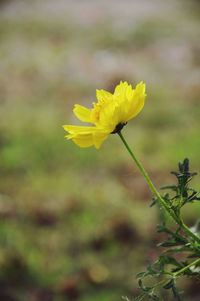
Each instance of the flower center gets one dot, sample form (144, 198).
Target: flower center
(119, 127)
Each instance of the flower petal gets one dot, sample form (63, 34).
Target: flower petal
(82, 113)
(123, 91)
(103, 96)
(84, 140)
(99, 137)
(75, 129)
(107, 117)
(85, 136)
(137, 102)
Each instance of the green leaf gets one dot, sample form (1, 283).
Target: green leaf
(176, 292)
(141, 275)
(155, 201)
(172, 187)
(170, 243)
(171, 260)
(154, 297)
(179, 249)
(151, 270)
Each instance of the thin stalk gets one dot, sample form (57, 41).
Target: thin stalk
(177, 273)
(156, 193)
(187, 267)
(173, 276)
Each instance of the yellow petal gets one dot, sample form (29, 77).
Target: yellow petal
(85, 140)
(123, 91)
(85, 136)
(75, 129)
(103, 96)
(82, 113)
(141, 88)
(107, 117)
(137, 103)
(98, 138)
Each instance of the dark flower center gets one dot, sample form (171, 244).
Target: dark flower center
(119, 127)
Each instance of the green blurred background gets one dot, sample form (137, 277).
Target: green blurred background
(75, 224)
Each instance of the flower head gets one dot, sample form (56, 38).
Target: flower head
(108, 115)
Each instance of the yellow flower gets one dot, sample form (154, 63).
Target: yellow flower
(108, 116)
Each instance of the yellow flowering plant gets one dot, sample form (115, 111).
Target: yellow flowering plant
(108, 116)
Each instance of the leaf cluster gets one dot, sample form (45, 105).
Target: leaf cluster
(179, 247)
(183, 193)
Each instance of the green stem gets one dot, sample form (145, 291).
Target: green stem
(156, 193)
(163, 282)
(177, 273)
(186, 229)
(187, 267)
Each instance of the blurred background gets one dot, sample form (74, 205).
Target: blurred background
(75, 224)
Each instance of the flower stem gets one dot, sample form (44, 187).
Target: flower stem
(152, 187)
(156, 193)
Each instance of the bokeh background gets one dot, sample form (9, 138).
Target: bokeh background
(75, 224)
